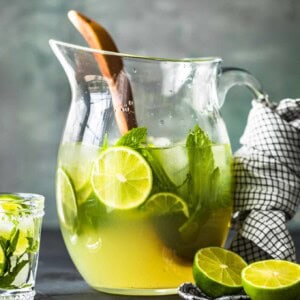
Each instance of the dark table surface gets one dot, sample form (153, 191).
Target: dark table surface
(58, 279)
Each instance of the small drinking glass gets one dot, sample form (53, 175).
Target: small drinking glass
(20, 229)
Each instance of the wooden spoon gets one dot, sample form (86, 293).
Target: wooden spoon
(111, 67)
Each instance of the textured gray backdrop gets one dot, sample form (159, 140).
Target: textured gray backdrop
(262, 36)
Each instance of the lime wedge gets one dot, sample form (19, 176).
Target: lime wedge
(217, 271)
(66, 200)
(2, 261)
(272, 280)
(121, 178)
(165, 203)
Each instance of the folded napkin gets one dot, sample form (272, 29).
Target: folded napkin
(267, 187)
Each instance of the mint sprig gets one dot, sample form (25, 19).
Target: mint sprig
(13, 264)
(133, 138)
(203, 185)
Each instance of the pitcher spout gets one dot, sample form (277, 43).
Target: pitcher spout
(79, 63)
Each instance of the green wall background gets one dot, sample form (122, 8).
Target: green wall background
(262, 36)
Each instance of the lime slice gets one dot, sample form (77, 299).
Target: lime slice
(22, 243)
(2, 261)
(77, 159)
(272, 280)
(165, 203)
(9, 204)
(84, 193)
(121, 178)
(217, 271)
(66, 200)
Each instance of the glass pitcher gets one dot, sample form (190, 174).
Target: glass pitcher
(144, 166)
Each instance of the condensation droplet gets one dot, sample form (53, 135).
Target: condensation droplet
(134, 70)
(161, 122)
(130, 102)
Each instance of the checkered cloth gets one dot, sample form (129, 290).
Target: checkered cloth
(267, 178)
(267, 186)
(189, 291)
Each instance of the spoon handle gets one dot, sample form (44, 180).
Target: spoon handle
(112, 68)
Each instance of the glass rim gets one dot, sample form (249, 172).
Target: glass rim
(209, 59)
(29, 202)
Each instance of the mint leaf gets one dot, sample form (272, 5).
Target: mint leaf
(197, 138)
(14, 263)
(13, 242)
(201, 165)
(33, 245)
(202, 186)
(7, 280)
(161, 181)
(133, 138)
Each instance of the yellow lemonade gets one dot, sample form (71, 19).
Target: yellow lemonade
(132, 219)
(129, 254)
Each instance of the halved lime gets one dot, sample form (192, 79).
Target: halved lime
(165, 203)
(272, 280)
(217, 271)
(2, 261)
(121, 178)
(66, 200)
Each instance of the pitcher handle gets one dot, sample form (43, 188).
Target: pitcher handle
(231, 76)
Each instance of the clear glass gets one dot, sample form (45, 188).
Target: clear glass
(20, 228)
(133, 211)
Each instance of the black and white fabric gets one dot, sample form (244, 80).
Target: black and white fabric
(267, 182)
(267, 187)
(189, 291)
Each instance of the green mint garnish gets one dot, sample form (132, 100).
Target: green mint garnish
(13, 264)
(133, 138)
(203, 182)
